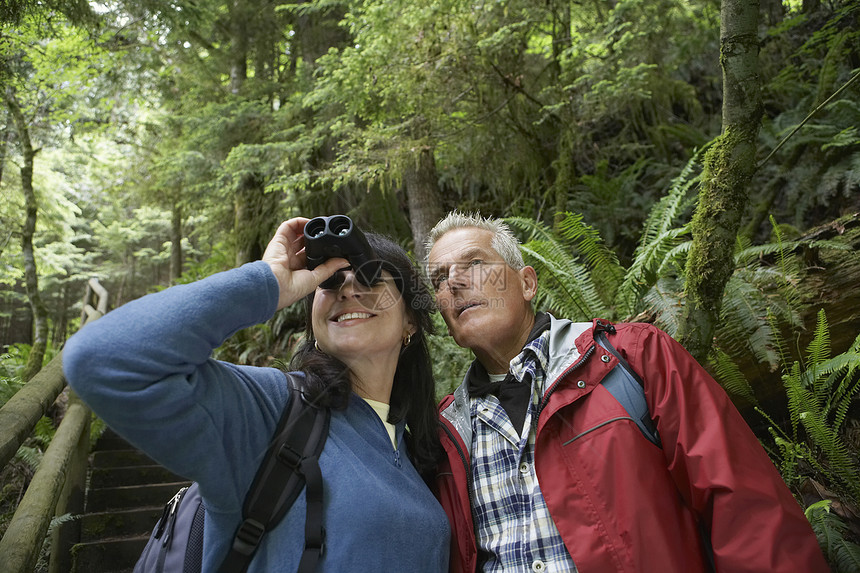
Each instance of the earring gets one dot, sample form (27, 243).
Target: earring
(407, 339)
(317, 345)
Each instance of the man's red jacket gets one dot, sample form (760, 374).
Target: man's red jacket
(622, 503)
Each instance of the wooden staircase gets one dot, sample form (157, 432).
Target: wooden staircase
(125, 497)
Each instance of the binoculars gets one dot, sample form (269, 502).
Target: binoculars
(337, 236)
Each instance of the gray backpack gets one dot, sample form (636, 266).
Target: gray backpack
(291, 464)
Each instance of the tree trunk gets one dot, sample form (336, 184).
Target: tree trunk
(176, 244)
(249, 211)
(31, 276)
(424, 200)
(316, 32)
(729, 166)
(61, 323)
(255, 219)
(4, 143)
(238, 46)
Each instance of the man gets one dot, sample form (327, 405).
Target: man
(546, 471)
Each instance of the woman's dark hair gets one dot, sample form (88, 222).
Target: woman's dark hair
(413, 395)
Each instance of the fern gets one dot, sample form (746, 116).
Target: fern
(648, 258)
(744, 327)
(673, 262)
(778, 342)
(798, 397)
(32, 457)
(44, 431)
(97, 428)
(831, 531)
(11, 365)
(731, 377)
(567, 287)
(819, 396)
(603, 262)
(596, 284)
(788, 266)
(844, 374)
(43, 562)
(747, 254)
(680, 197)
(660, 239)
(663, 301)
(842, 468)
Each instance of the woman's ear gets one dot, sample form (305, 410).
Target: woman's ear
(410, 327)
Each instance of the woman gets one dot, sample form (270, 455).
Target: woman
(145, 368)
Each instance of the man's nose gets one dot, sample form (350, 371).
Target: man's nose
(459, 276)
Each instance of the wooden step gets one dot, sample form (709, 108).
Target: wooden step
(123, 523)
(126, 496)
(120, 459)
(111, 499)
(131, 475)
(111, 442)
(107, 556)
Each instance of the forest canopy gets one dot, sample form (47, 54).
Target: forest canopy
(148, 143)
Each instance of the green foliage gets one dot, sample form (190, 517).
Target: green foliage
(762, 297)
(271, 343)
(97, 428)
(44, 432)
(44, 560)
(450, 362)
(820, 391)
(30, 456)
(581, 277)
(12, 364)
(804, 62)
(731, 378)
(571, 288)
(832, 532)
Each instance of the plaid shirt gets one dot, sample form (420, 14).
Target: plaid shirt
(513, 523)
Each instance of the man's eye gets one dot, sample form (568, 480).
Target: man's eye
(474, 262)
(438, 280)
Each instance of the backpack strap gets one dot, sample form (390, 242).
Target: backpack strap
(627, 387)
(629, 390)
(291, 462)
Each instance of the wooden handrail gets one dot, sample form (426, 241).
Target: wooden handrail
(23, 540)
(63, 467)
(90, 312)
(19, 415)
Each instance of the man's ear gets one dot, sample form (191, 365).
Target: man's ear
(528, 276)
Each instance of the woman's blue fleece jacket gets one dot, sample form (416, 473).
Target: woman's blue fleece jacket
(145, 368)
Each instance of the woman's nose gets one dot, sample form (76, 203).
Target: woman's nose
(348, 288)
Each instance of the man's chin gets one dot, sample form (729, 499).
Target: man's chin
(469, 339)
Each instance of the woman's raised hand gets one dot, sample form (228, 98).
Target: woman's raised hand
(286, 256)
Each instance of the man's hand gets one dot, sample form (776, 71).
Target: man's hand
(285, 254)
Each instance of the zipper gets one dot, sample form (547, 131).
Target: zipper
(381, 425)
(569, 369)
(465, 464)
(588, 431)
(171, 519)
(167, 516)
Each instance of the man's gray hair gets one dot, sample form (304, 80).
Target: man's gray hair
(504, 241)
